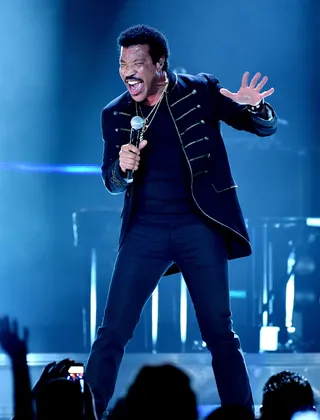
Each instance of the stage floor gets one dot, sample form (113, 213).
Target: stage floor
(197, 365)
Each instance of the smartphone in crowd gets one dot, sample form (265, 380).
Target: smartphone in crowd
(76, 373)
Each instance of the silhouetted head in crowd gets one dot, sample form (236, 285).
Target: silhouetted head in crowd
(161, 392)
(285, 394)
(60, 399)
(231, 412)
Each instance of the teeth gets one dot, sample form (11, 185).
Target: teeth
(133, 82)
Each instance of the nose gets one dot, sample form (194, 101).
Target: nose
(128, 70)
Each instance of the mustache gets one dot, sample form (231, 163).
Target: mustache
(133, 78)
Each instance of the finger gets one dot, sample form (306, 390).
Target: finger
(133, 149)
(131, 153)
(129, 164)
(261, 84)
(254, 80)
(142, 144)
(64, 365)
(47, 371)
(49, 367)
(245, 78)
(52, 368)
(125, 148)
(267, 93)
(226, 93)
(129, 156)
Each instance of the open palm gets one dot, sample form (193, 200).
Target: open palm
(249, 94)
(10, 340)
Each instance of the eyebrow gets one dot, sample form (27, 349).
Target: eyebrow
(137, 59)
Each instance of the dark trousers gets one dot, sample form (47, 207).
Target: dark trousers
(147, 251)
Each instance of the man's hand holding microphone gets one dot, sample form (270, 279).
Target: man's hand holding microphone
(129, 155)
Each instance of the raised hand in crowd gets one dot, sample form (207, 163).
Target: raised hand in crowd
(16, 348)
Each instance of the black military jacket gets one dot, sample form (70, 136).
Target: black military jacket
(196, 107)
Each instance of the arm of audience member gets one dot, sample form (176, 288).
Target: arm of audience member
(16, 348)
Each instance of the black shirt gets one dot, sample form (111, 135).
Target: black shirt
(162, 190)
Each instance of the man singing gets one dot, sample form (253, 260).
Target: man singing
(181, 212)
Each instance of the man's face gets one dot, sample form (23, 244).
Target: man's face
(138, 71)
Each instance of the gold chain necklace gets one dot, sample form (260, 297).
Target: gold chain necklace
(152, 113)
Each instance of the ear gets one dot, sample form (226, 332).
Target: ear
(160, 63)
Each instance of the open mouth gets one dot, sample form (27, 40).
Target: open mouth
(135, 86)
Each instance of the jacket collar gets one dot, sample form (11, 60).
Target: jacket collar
(173, 79)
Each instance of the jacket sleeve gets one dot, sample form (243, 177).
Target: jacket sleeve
(238, 116)
(112, 175)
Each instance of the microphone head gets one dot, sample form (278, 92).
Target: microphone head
(136, 122)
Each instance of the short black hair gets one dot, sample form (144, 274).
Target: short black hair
(284, 394)
(146, 35)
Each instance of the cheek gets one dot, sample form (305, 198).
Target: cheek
(145, 74)
(147, 77)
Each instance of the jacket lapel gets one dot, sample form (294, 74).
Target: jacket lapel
(185, 108)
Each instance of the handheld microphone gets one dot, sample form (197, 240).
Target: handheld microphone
(136, 125)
